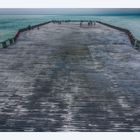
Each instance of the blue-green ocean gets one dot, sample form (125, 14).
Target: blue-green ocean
(9, 24)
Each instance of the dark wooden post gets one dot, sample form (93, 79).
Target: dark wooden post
(4, 45)
(0, 44)
(11, 41)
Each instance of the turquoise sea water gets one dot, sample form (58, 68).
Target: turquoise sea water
(9, 24)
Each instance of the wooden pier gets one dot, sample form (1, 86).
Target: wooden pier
(67, 77)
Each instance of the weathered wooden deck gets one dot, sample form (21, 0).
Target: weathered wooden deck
(70, 78)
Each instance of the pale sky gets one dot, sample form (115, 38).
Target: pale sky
(69, 3)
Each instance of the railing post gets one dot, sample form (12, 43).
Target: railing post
(4, 45)
(135, 43)
(11, 41)
(0, 44)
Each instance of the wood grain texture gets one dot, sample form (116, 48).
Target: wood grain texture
(70, 78)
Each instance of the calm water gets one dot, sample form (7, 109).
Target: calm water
(9, 24)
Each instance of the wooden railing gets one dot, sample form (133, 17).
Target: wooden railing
(8, 42)
(135, 42)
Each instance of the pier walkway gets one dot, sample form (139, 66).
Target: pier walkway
(64, 77)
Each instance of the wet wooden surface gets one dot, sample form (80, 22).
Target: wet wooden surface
(70, 78)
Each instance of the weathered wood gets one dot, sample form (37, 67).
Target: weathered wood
(70, 78)
(130, 35)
